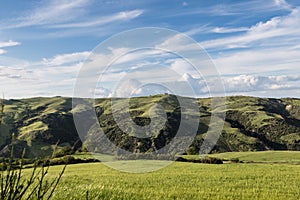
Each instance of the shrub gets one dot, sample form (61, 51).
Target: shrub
(206, 160)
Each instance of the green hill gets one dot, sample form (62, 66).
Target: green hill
(252, 124)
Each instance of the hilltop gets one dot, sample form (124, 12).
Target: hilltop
(251, 124)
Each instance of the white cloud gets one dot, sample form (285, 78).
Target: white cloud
(267, 47)
(197, 84)
(232, 8)
(48, 81)
(66, 58)
(265, 60)
(181, 66)
(2, 51)
(283, 27)
(120, 16)
(229, 30)
(178, 43)
(127, 55)
(10, 74)
(127, 88)
(242, 84)
(249, 83)
(50, 12)
(101, 92)
(19, 79)
(206, 29)
(283, 4)
(9, 43)
(65, 15)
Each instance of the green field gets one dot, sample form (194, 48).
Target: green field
(288, 157)
(181, 181)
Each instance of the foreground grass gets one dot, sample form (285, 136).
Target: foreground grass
(181, 181)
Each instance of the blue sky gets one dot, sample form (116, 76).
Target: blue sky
(255, 45)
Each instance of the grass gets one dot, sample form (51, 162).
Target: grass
(288, 157)
(236, 139)
(36, 126)
(181, 181)
(291, 137)
(98, 156)
(264, 156)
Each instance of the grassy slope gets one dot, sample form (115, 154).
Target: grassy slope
(251, 123)
(181, 181)
(274, 122)
(34, 121)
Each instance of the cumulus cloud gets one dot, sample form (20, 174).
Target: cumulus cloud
(134, 87)
(101, 92)
(251, 83)
(60, 81)
(198, 85)
(19, 79)
(181, 66)
(241, 84)
(127, 88)
(148, 82)
(185, 86)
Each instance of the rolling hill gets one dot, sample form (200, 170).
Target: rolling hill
(251, 124)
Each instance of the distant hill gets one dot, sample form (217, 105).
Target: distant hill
(252, 124)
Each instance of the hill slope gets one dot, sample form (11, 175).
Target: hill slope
(252, 124)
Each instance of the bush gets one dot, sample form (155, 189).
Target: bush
(68, 159)
(235, 160)
(66, 150)
(206, 160)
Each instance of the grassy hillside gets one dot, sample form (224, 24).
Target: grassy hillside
(252, 124)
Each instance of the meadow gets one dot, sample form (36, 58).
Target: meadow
(273, 157)
(180, 180)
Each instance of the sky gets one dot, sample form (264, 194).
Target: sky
(44, 45)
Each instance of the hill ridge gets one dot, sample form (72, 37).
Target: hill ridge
(251, 124)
